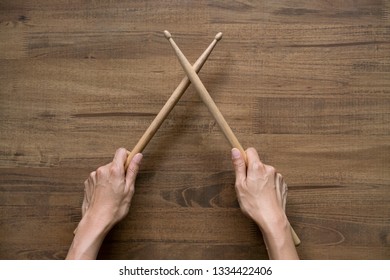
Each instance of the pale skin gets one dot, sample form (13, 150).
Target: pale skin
(107, 198)
(261, 193)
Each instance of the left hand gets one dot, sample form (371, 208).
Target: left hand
(107, 198)
(109, 191)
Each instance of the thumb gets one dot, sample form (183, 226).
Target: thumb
(239, 165)
(133, 168)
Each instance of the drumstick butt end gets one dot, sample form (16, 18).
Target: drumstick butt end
(167, 34)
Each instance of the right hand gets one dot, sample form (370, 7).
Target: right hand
(261, 192)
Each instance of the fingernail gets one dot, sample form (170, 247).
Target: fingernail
(236, 153)
(138, 158)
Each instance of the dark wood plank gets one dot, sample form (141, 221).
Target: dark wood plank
(341, 115)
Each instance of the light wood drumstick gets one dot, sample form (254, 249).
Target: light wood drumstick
(209, 102)
(205, 96)
(171, 102)
(295, 237)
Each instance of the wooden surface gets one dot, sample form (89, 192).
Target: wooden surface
(305, 82)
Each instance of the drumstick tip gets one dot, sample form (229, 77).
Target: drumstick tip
(167, 34)
(218, 36)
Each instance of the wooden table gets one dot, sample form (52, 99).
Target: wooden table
(305, 82)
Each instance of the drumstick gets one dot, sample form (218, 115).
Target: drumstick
(205, 96)
(171, 102)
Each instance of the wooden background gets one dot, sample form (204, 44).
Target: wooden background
(305, 82)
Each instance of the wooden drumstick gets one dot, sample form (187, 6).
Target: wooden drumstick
(209, 102)
(295, 237)
(205, 96)
(171, 102)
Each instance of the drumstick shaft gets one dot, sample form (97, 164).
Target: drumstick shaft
(205, 96)
(171, 102)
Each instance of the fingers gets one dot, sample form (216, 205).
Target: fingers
(120, 157)
(132, 170)
(256, 168)
(116, 167)
(89, 188)
(239, 165)
(85, 205)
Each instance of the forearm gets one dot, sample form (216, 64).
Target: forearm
(278, 240)
(88, 239)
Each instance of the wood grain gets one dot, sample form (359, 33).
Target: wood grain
(305, 82)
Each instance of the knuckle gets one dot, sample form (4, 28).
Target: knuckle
(114, 170)
(91, 175)
(238, 184)
(239, 163)
(101, 171)
(270, 169)
(121, 150)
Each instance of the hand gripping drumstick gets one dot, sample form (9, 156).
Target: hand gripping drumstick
(205, 96)
(209, 102)
(171, 102)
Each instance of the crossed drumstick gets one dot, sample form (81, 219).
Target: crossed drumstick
(191, 77)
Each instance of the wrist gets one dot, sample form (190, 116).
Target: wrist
(277, 229)
(273, 225)
(89, 236)
(96, 222)
(279, 241)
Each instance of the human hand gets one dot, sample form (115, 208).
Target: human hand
(261, 192)
(262, 195)
(108, 190)
(107, 198)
